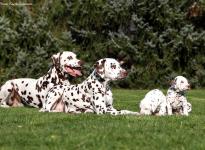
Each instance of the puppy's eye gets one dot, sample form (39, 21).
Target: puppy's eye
(70, 57)
(182, 81)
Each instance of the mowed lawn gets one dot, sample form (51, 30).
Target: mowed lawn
(26, 128)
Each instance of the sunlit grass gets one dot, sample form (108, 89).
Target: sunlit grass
(26, 128)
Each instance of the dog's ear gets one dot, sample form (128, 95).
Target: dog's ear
(173, 83)
(56, 59)
(100, 68)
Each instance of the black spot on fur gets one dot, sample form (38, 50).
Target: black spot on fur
(83, 97)
(23, 92)
(54, 80)
(66, 103)
(88, 99)
(40, 105)
(75, 100)
(39, 97)
(89, 85)
(45, 84)
(9, 90)
(30, 99)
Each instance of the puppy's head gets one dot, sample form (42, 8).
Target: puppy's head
(67, 63)
(180, 83)
(110, 69)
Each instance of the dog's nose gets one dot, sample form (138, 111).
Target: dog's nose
(189, 86)
(80, 62)
(124, 73)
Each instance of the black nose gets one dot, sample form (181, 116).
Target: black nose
(189, 86)
(80, 63)
(125, 73)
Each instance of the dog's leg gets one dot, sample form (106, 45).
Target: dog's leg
(169, 108)
(145, 111)
(98, 104)
(6, 94)
(185, 109)
(184, 106)
(111, 110)
(14, 99)
(189, 106)
(128, 112)
(56, 105)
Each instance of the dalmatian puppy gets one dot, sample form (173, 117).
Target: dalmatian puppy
(32, 92)
(93, 95)
(155, 103)
(176, 96)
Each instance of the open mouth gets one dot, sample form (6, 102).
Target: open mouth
(73, 71)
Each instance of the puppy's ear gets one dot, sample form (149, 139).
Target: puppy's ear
(56, 59)
(100, 68)
(173, 83)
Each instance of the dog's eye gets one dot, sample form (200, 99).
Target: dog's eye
(70, 57)
(182, 81)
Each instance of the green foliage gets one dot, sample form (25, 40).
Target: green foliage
(27, 44)
(155, 38)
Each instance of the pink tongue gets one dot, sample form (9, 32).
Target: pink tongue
(73, 72)
(77, 72)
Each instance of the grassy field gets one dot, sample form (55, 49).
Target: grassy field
(26, 128)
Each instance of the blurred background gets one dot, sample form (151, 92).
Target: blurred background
(156, 39)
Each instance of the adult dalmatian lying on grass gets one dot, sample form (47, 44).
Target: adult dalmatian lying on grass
(32, 92)
(155, 103)
(93, 95)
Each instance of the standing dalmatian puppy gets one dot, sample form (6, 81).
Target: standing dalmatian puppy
(92, 95)
(32, 92)
(176, 96)
(155, 103)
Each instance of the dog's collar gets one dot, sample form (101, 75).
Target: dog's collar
(100, 79)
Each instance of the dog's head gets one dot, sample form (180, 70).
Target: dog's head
(110, 69)
(180, 83)
(67, 63)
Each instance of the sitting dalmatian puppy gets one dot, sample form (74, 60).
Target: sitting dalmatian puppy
(93, 95)
(176, 96)
(32, 92)
(155, 103)
(175, 102)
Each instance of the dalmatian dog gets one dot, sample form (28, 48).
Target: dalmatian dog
(176, 96)
(32, 92)
(155, 103)
(91, 96)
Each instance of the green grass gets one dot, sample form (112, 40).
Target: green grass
(26, 128)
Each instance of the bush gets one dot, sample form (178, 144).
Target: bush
(156, 39)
